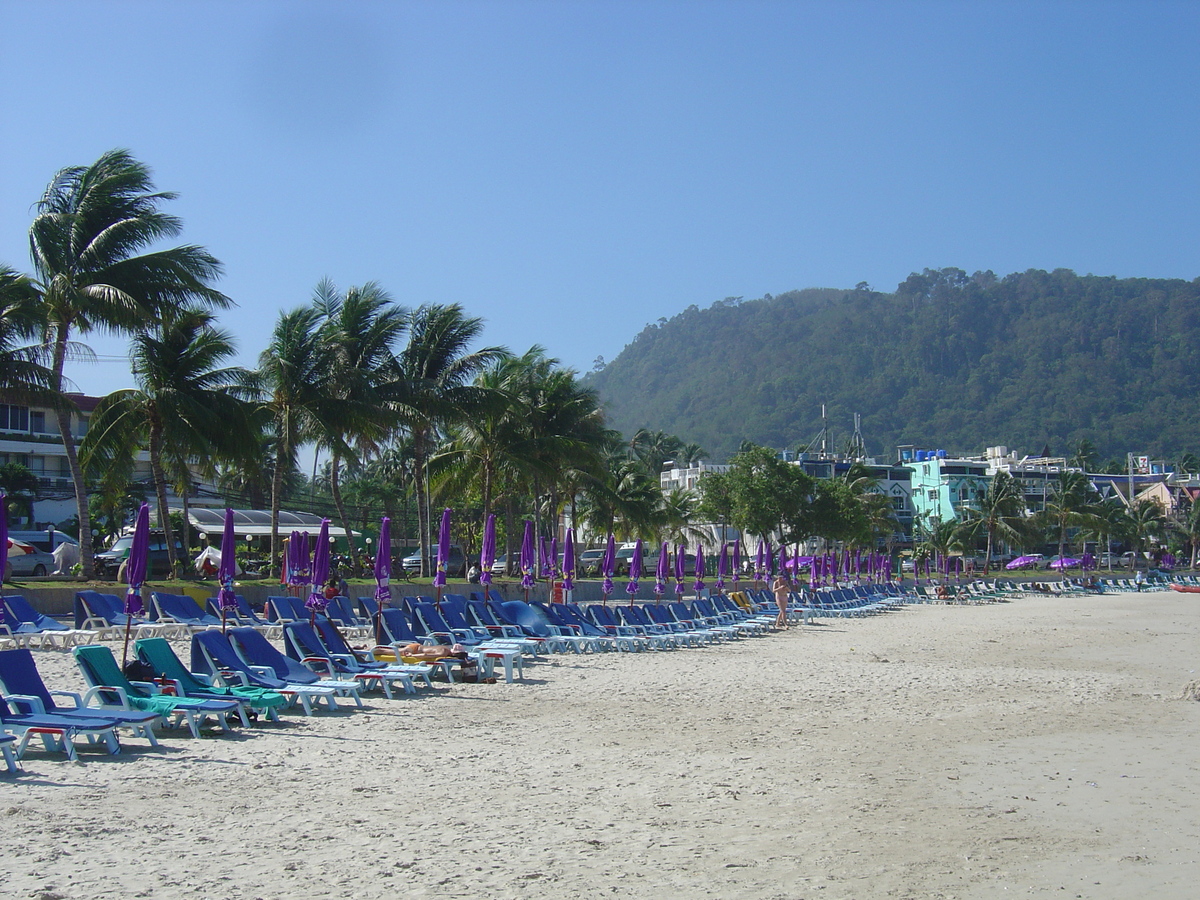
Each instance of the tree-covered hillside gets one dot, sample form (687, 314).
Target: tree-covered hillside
(948, 360)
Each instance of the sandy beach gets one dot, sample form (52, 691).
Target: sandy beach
(1032, 748)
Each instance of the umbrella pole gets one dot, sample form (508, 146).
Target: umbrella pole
(125, 649)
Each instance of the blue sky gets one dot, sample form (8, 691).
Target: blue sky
(570, 171)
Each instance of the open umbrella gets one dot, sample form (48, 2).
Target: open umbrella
(487, 556)
(568, 561)
(316, 602)
(383, 574)
(635, 571)
(680, 569)
(663, 572)
(698, 584)
(443, 554)
(135, 572)
(607, 564)
(226, 599)
(528, 562)
(722, 567)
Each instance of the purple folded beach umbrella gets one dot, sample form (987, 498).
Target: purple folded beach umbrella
(568, 561)
(383, 574)
(735, 573)
(443, 553)
(760, 561)
(607, 564)
(783, 559)
(316, 602)
(487, 556)
(528, 561)
(680, 568)
(554, 568)
(545, 564)
(226, 599)
(698, 584)
(663, 572)
(722, 567)
(135, 572)
(635, 571)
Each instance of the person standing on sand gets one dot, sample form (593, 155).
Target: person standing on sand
(781, 589)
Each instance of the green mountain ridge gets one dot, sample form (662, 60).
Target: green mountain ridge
(947, 360)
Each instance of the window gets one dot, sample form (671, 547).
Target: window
(37, 421)
(14, 418)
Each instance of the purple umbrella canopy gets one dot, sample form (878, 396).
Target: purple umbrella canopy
(545, 564)
(487, 556)
(383, 563)
(663, 572)
(698, 584)
(302, 568)
(735, 573)
(722, 567)
(528, 562)
(3, 535)
(568, 561)
(443, 552)
(139, 553)
(760, 560)
(554, 569)
(607, 564)
(782, 559)
(226, 599)
(680, 568)
(635, 571)
(316, 602)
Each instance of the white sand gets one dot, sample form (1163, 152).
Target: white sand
(1034, 748)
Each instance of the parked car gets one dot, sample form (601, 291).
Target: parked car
(25, 559)
(46, 539)
(500, 566)
(1112, 560)
(588, 564)
(456, 563)
(108, 563)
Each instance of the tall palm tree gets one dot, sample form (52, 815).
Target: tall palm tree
(23, 373)
(999, 514)
(1147, 520)
(291, 381)
(94, 269)
(438, 367)
(185, 407)
(1067, 506)
(360, 330)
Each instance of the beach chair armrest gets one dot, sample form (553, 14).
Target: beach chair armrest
(204, 678)
(72, 694)
(262, 670)
(234, 678)
(313, 662)
(95, 692)
(32, 704)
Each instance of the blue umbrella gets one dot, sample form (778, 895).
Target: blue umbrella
(226, 598)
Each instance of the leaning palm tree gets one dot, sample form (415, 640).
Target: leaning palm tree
(186, 407)
(291, 381)
(94, 270)
(437, 368)
(999, 514)
(360, 330)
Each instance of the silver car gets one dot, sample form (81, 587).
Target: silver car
(37, 563)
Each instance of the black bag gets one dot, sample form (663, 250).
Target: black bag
(136, 670)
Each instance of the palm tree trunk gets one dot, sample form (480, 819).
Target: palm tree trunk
(335, 488)
(987, 559)
(160, 492)
(87, 556)
(282, 452)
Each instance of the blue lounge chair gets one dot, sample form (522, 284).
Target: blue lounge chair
(105, 614)
(212, 654)
(26, 692)
(182, 610)
(339, 649)
(242, 615)
(158, 655)
(10, 758)
(115, 691)
(58, 733)
(23, 620)
(260, 655)
(283, 609)
(302, 643)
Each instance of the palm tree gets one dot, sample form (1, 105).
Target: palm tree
(185, 408)
(653, 448)
(291, 380)
(360, 332)
(999, 514)
(23, 374)
(94, 270)
(1068, 505)
(437, 368)
(1147, 520)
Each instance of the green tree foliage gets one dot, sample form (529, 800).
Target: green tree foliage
(763, 495)
(947, 360)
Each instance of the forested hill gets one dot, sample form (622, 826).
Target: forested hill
(949, 360)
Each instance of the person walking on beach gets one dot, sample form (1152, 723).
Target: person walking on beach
(781, 589)
(1139, 579)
